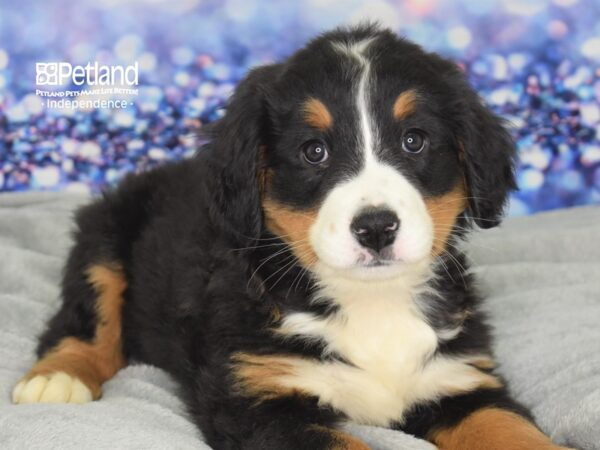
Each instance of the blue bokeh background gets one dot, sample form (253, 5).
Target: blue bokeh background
(535, 62)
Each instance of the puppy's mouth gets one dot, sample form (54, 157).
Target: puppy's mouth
(377, 270)
(379, 263)
(376, 267)
(370, 258)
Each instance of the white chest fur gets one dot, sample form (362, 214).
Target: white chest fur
(388, 346)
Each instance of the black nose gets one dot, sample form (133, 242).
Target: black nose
(375, 228)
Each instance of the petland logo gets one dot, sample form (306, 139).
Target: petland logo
(98, 86)
(61, 73)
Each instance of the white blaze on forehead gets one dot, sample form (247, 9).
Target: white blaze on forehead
(357, 50)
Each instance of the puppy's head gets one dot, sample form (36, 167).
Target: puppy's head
(362, 151)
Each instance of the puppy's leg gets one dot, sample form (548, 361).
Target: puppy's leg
(493, 429)
(272, 433)
(82, 345)
(72, 370)
(291, 422)
(243, 405)
(490, 426)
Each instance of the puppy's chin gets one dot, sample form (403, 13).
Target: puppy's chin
(376, 272)
(389, 270)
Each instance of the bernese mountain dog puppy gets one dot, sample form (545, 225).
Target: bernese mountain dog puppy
(303, 269)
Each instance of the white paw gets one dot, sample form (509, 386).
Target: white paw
(57, 387)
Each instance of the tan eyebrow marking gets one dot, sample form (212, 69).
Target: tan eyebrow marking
(405, 104)
(316, 114)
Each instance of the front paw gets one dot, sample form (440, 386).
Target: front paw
(57, 387)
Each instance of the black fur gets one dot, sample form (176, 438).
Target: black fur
(187, 237)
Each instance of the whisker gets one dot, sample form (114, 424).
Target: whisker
(481, 218)
(257, 247)
(471, 243)
(445, 268)
(290, 268)
(289, 263)
(303, 272)
(264, 239)
(458, 265)
(265, 260)
(292, 284)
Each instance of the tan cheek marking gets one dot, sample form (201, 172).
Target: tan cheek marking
(259, 375)
(405, 104)
(293, 227)
(492, 429)
(341, 440)
(316, 114)
(97, 361)
(443, 211)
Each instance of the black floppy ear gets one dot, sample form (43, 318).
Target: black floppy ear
(234, 147)
(488, 154)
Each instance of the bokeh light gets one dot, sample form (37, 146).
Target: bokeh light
(535, 62)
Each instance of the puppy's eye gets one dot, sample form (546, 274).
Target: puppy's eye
(315, 152)
(414, 141)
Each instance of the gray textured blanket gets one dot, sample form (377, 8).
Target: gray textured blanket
(541, 273)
